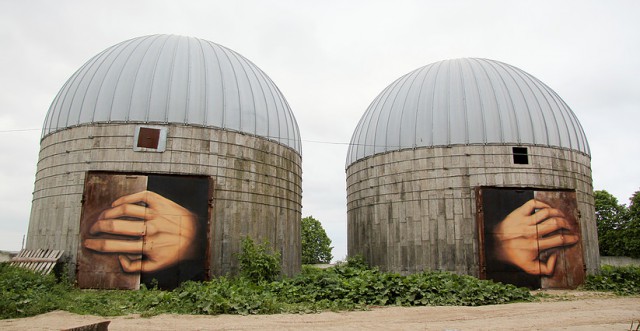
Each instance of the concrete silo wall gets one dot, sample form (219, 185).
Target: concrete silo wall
(256, 186)
(414, 210)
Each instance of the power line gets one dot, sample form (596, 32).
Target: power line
(18, 130)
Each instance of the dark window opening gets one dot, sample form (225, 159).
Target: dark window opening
(520, 155)
(148, 138)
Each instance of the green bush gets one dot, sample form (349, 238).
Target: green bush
(621, 280)
(25, 293)
(259, 263)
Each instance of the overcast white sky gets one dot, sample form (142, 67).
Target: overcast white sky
(330, 59)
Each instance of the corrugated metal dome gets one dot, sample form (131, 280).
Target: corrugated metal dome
(465, 102)
(174, 79)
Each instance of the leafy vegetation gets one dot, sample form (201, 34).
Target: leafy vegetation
(621, 280)
(259, 263)
(316, 245)
(618, 226)
(25, 293)
(349, 285)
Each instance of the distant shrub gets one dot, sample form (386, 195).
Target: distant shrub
(620, 280)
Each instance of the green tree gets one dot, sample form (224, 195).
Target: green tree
(618, 226)
(611, 219)
(632, 229)
(315, 242)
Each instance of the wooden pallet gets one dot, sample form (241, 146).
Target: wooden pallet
(41, 260)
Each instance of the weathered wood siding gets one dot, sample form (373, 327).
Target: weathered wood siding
(258, 186)
(414, 210)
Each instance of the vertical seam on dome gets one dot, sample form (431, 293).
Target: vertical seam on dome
(357, 133)
(153, 75)
(111, 61)
(224, 51)
(78, 85)
(260, 81)
(495, 98)
(244, 70)
(272, 87)
(135, 77)
(293, 122)
(286, 113)
(386, 98)
(513, 107)
(515, 111)
(214, 48)
(173, 66)
(115, 89)
(482, 111)
(464, 102)
(374, 111)
(404, 105)
(205, 114)
(447, 77)
(67, 88)
(186, 102)
(527, 82)
(420, 96)
(85, 92)
(405, 80)
(546, 96)
(438, 66)
(571, 122)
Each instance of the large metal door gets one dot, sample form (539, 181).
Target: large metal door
(150, 229)
(530, 237)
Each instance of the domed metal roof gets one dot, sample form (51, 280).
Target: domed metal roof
(174, 79)
(465, 102)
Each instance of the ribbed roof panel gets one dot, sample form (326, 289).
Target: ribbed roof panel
(174, 79)
(465, 102)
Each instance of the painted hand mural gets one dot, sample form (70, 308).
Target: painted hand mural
(531, 238)
(143, 229)
(162, 230)
(528, 230)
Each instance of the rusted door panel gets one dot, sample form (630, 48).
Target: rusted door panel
(95, 269)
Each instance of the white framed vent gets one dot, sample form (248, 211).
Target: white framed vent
(149, 138)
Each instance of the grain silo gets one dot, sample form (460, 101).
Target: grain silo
(473, 166)
(158, 156)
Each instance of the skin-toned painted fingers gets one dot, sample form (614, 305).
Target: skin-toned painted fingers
(558, 240)
(553, 224)
(125, 210)
(548, 267)
(129, 265)
(143, 196)
(544, 214)
(114, 245)
(529, 207)
(119, 227)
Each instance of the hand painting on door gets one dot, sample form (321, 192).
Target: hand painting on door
(527, 231)
(145, 222)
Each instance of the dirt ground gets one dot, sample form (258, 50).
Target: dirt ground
(561, 310)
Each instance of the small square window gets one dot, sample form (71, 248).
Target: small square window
(150, 139)
(520, 155)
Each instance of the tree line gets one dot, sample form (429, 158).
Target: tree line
(618, 225)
